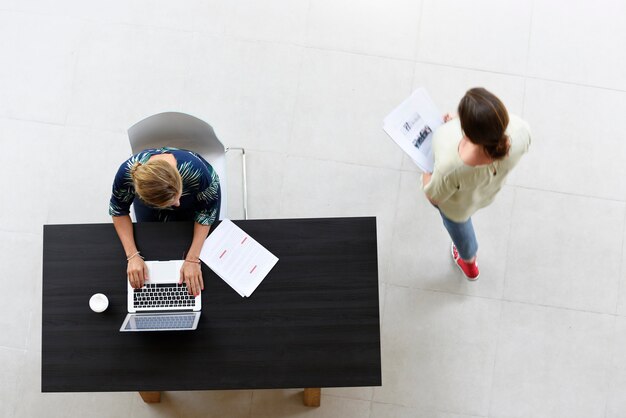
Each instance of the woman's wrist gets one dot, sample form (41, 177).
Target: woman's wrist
(192, 256)
(133, 255)
(194, 259)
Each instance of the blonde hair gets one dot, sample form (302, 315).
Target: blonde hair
(156, 182)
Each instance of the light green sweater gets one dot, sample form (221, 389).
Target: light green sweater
(459, 189)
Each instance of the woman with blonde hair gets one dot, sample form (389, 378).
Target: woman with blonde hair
(165, 184)
(474, 153)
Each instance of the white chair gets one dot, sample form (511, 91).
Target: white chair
(180, 130)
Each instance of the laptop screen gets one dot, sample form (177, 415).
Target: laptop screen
(161, 321)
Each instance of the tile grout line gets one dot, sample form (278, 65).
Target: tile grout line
(418, 39)
(92, 21)
(610, 359)
(620, 287)
(385, 307)
(85, 38)
(428, 409)
(60, 125)
(530, 28)
(540, 305)
(466, 68)
(388, 269)
(495, 359)
(31, 318)
(460, 67)
(475, 69)
(244, 39)
(524, 98)
(575, 84)
(349, 163)
(6, 347)
(371, 409)
(292, 122)
(498, 333)
(307, 24)
(307, 46)
(513, 186)
(10, 231)
(302, 43)
(40, 122)
(20, 378)
(567, 193)
(360, 54)
(195, 40)
(508, 244)
(140, 26)
(133, 408)
(393, 235)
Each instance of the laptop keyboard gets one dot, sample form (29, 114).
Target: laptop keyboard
(162, 321)
(163, 295)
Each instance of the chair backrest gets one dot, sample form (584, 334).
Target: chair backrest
(180, 130)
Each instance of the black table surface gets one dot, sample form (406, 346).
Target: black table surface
(313, 321)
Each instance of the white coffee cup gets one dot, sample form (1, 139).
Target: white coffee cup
(98, 303)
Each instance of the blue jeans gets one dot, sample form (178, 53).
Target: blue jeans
(463, 236)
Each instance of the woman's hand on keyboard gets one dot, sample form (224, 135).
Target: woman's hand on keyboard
(191, 273)
(137, 272)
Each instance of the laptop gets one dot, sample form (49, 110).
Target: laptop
(162, 304)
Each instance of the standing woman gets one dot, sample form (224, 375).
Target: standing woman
(474, 153)
(165, 184)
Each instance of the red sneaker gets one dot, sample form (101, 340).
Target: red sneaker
(470, 270)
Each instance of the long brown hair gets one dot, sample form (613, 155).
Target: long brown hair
(484, 120)
(156, 182)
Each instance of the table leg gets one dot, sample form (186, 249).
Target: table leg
(151, 397)
(312, 396)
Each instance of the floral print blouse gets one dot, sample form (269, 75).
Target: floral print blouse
(201, 186)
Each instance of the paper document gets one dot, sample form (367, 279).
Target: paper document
(411, 126)
(237, 258)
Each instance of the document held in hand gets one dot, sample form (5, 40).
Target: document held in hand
(237, 258)
(411, 126)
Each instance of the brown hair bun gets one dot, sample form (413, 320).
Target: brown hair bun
(484, 120)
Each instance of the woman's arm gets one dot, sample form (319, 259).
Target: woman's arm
(191, 273)
(426, 177)
(136, 269)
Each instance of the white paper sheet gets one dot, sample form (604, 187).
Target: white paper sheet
(237, 258)
(411, 126)
(164, 271)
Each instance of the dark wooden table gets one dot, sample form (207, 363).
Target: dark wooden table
(312, 323)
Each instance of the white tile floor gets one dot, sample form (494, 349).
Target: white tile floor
(304, 85)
